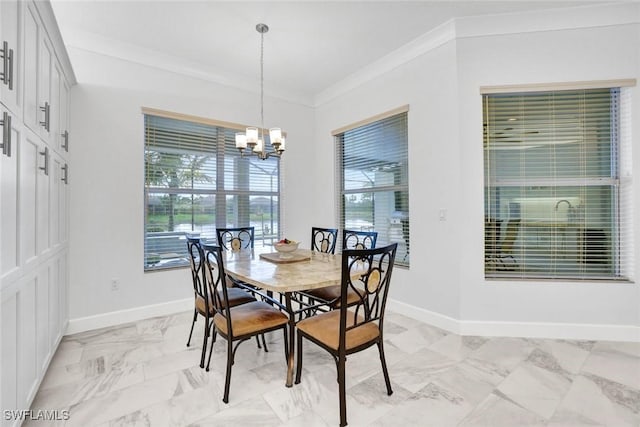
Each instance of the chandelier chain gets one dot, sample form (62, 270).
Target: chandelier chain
(262, 87)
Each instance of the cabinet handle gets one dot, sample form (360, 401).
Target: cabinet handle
(65, 137)
(10, 69)
(45, 168)
(7, 65)
(46, 109)
(6, 134)
(65, 174)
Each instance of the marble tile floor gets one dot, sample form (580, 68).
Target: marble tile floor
(142, 374)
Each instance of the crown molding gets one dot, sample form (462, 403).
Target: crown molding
(590, 16)
(415, 48)
(53, 31)
(570, 18)
(105, 46)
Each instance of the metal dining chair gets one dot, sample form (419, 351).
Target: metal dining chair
(353, 328)
(203, 303)
(330, 295)
(238, 323)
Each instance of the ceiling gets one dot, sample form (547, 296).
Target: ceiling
(311, 45)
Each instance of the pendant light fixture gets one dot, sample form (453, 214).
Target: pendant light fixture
(253, 138)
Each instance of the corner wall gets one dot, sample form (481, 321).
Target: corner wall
(107, 203)
(446, 284)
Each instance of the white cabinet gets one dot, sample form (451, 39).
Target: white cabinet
(10, 54)
(64, 117)
(11, 136)
(31, 76)
(33, 198)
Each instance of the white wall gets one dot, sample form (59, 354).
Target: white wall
(446, 277)
(428, 84)
(107, 203)
(599, 53)
(445, 283)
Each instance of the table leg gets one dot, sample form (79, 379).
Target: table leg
(292, 338)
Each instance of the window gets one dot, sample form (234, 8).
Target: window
(196, 181)
(555, 188)
(372, 163)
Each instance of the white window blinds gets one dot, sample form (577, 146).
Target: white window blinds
(372, 164)
(196, 181)
(552, 185)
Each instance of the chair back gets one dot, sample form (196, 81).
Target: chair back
(368, 273)
(352, 239)
(216, 281)
(196, 260)
(235, 238)
(324, 239)
(510, 236)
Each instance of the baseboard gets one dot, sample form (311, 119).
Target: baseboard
(575, 331)
(124, 316)
(463, 327)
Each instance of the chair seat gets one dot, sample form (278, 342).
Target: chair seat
(237, 296)
(332, 294)
(251, 318)
(325, 328)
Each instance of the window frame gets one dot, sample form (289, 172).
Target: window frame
(618, 222)
(221, 190)
(400, 113)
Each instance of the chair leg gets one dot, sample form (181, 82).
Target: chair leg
(213, 340)
(227, 381)
(286, 344)
(258, 341)
(204, 341)
(195, 317)
(342, 391)
(384, 367)
(299, 362)
(264, 344)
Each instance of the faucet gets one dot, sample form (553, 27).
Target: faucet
(571, 211)
(566, 201)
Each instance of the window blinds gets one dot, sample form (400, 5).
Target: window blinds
(552, 184)
(372, 161)
(196, 181)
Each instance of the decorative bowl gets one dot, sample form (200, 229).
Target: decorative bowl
(286, 247)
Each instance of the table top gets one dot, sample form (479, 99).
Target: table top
(319, 271)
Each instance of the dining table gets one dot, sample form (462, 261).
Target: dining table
(285, 274)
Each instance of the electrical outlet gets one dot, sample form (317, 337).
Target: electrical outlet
(442, 214)
(115, 284)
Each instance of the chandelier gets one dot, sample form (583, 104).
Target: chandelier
(253, 138)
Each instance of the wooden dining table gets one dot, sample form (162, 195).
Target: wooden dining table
(285, 276)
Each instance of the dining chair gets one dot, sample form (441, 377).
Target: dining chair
(502, 258)
(351, 329)
(203, 305)
(238, 323)
(352, 239)
(324, 239)
(236, 238)
(330, 295)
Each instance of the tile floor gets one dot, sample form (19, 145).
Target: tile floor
(142, 374)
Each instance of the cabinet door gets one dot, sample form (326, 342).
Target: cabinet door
(9, 197)
(54, 109)
(43, 345)
(27, 340)
(10, 63)
(27, 186)
(9, 355)
(31, 44)
(45, 72)
(55, 174)
(64, 116)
